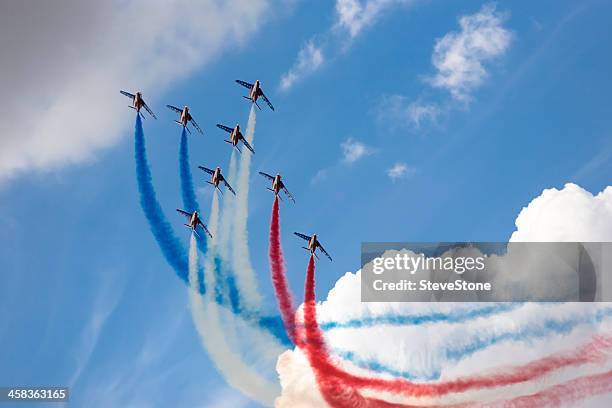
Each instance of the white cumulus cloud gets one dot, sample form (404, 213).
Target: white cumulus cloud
(309, 59)
(569, 214)
(61, 80)
(460, 56)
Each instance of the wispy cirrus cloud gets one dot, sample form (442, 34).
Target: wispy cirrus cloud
(309, 59)
(355, 15)
(404, 112)
(351, 17)
(460, 57)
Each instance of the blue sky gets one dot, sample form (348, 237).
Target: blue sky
(88, 300)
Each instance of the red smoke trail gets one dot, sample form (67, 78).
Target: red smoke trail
(339, 387)
(279, 277)
(592, 352)
(562, 394)
(331, 381)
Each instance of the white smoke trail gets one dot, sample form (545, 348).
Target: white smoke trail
(245, 275)
(227, 212)
(207, 316)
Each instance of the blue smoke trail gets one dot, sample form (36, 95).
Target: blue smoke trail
(171, 247)
(458, 316)
(457, 353)
(226, 291)
(187, 191)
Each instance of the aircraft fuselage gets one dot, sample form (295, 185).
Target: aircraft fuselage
(254, 94)
(313, 243)
(216, 177)
(138, 102)
(194, 221)
(236, 135)
(185, 116)
(277, 184)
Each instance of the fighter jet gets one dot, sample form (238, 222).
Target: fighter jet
(216, 178)
(277, 185)
(194, 221)
(313, 244)
(235, 137)
(185, 117)
(255, 92)
(138, 102)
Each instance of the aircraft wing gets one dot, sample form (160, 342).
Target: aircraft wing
(185, 213)
(288, 193)
(265, 98)
(129, 95)
(303, 236)
(324, 251)
(206, 229)
(207, 170)
(245, 84)
(174, 108)
(195, 125)
(148, 110)
(226, 128)
(266, 175)
(248, 146)
(228, 186)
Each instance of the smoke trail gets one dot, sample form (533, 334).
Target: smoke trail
(563, 394)
(456, 352)
(187, 191)
(279, 280)
(208, 317)
(337, 392)
(455, 316)
(245, 275)
(334, 391)
(170, 246)
(227, 213)
(172, 249)
(326, 370)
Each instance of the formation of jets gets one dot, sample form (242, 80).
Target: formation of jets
(216, 177)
